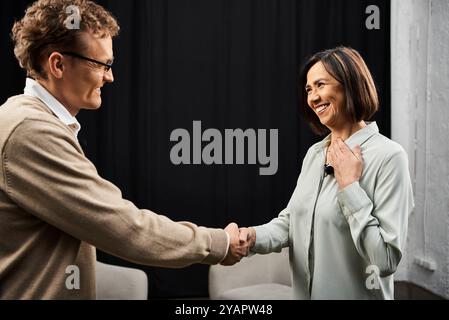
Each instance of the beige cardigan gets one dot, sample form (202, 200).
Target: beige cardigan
(55, 209)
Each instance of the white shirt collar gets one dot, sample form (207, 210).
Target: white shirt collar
(34, 89)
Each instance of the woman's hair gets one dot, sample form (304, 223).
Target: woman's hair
(348, 68)
(45, 28)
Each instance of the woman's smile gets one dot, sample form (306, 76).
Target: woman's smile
(322, 108)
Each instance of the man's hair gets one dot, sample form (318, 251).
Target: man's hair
(348, 67)
(44, 29)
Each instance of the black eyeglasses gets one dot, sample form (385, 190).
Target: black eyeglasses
(107, 66)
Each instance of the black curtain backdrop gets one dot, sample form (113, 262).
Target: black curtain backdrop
(229, 64)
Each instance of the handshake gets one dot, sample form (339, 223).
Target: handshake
(241, 241)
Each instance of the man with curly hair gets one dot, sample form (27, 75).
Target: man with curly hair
(54, 207)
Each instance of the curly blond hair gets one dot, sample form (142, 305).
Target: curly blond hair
(44, 29)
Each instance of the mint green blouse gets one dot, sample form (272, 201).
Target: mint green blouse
(345, 244)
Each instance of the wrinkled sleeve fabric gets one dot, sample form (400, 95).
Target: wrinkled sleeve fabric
(273, 236)
(379, 224)
(47, 174)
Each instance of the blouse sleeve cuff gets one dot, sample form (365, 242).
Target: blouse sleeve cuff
(261, 239)
(352, 199)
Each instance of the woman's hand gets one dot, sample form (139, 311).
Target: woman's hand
(348, 165)
(248, 236)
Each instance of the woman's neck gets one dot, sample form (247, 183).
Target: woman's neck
(346, 131)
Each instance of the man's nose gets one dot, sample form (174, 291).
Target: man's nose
(109, 76)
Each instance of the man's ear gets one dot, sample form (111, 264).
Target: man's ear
(55, 64)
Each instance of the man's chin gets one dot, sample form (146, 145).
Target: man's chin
(93, 105)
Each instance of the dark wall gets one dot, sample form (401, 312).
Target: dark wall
(228, 63)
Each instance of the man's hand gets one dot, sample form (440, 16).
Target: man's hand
(237, 249)
(348, 165)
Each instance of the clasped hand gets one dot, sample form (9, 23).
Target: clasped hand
(241, 241)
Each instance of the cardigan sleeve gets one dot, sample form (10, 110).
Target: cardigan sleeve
(47, 174)
(379, 226)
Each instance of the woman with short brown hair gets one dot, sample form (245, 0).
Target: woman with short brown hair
(346, 222)
(347, 67)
